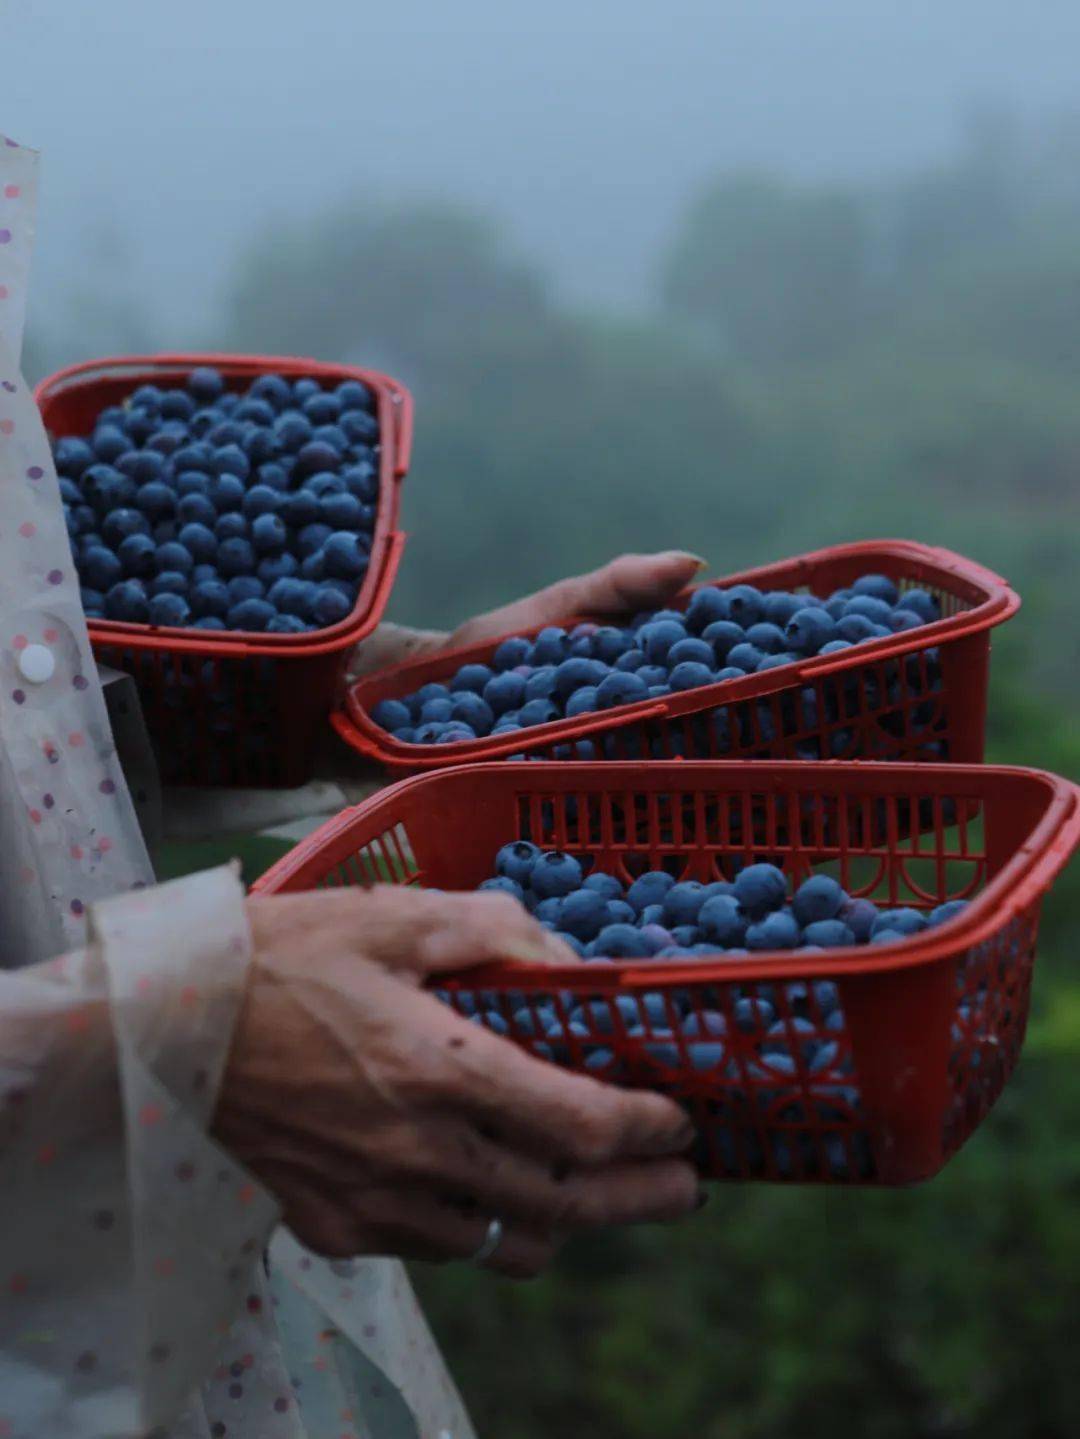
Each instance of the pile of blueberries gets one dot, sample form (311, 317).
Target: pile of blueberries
(723, 635)
(201, 507)
(781, 1037)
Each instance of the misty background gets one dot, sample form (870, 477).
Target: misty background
(748, 279)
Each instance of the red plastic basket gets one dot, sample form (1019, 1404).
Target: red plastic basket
(917, 695)
(225, 707)
(926, 1031)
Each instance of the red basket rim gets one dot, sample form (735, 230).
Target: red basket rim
(998, 603)
(1026, 874)
(395, 412)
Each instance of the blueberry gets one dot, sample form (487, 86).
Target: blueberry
(101, 569)
(299, 509)
(779, 607)
(856, 629)
(362, 481)
(360, 428)
(251, 615)
(168, 439)
(809, 629)
(922, 604)
(355, 395)
(551, 646)
(333, 436)
(246, 587)
(231, 460)
(325, 482)
(471, 677)
(269, 534)
(196, 509)
(604, 884)
(583, 701)
(72, 456)
(312, 566)
(516, 861)
(657, 639)
(109, 443)
(392, 715)
(903, 620)
(93, 603)
(651, 675)
(192, 482)
(169, 582)
(683, 902)
(583, 913)
(292, 431)
(555, 874)
(876, 611)
(760, 888)
(127, 601)
(828, 933)
(540, 685)
(225, 432)
(745, 658)
(512, 652)
(142, 466)
(199, 541)
(140, 425)
(235, 557)
(203, 571)
(819, 897)
(834, 647)
(886, 936)
(210, 597)
(745, 605)
(880, 587)
(206, 384)
(167, 608)
(778, 930)
(574, 674)
(775, 662)
(707, 606)
(752, 1014)
(860, 916)
(344, 512)
(621, 941)
(690, 676)
(258, 411)
(316, 456)
(274, 476)
(504, 691)
(766, 637)
(629, 661)
(708, 1022)
(329, 608)
(903, 921)
(70, 492)
(322, 408)
(345, 555)
(652, 887)
(722, 636)
(312, 538)
(289, 625)
(225, 492)
(231, 526)
(619, 912)
(436, 711)
(156, 500)
(540, 711)
(949, 910)
(621, 688)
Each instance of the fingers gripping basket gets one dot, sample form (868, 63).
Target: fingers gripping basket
(919, 694)
(890, 1056)
(240, 708)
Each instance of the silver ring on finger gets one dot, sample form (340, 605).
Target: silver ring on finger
(490, 1243)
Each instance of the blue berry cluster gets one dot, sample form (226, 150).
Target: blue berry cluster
(756, 1036)
(205, 508)
(723, 635)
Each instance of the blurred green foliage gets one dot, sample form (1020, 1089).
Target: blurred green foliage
(822, 363)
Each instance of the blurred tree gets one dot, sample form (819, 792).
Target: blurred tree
(776, 273)
(406, 287)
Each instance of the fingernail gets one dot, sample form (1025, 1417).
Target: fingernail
(702, 1199)
(689, 555)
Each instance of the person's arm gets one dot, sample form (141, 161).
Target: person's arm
(616, 591)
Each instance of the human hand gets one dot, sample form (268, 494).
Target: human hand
(387, 1124)
(616, 591)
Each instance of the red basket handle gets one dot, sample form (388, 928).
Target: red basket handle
(403, 430)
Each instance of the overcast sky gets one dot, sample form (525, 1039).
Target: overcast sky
(582, 124)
